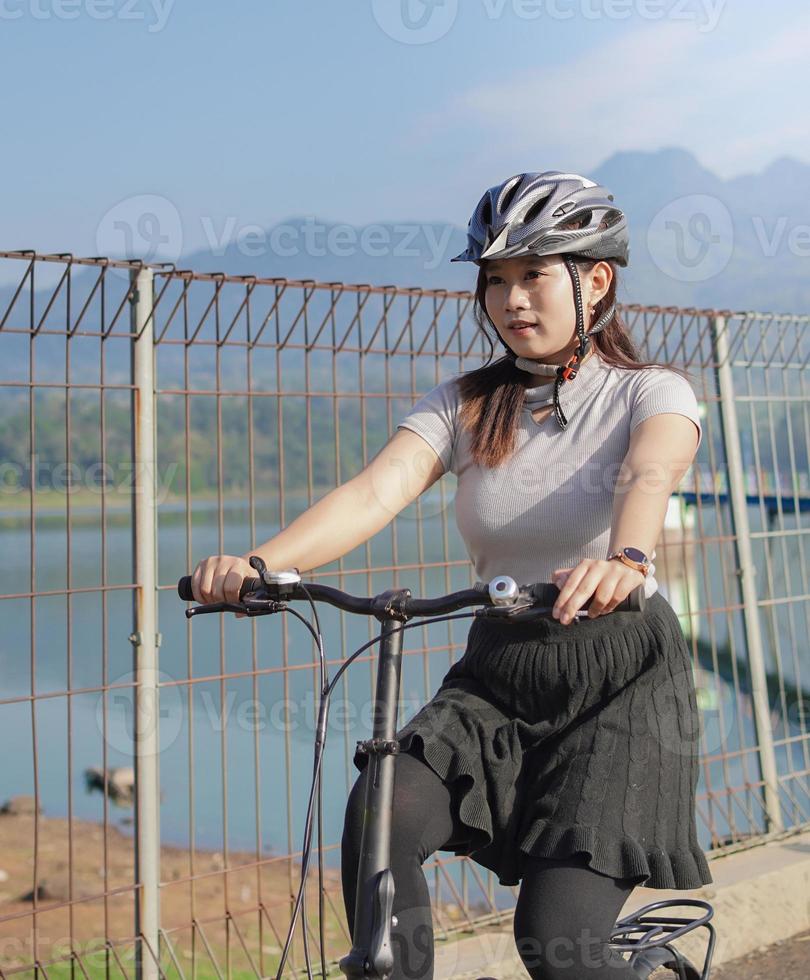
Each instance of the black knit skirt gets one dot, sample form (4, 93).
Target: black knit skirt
(558, 740)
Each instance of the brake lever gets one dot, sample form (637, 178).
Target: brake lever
(248, 607)
(214, 607)
(519, 613)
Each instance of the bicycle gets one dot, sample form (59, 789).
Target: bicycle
(371, 956)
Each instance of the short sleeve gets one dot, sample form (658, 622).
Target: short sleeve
(659, 391)
(434, 418)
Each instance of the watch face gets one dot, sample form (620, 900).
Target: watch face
(635, 555)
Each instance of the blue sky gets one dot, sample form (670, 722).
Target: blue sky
(247, 112)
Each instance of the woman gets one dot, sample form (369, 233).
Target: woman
(561, 755)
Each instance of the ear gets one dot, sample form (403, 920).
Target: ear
(601, 276)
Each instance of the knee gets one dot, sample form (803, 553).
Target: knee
(421, 820)
(408, 820)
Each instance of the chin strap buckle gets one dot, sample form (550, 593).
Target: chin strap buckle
(571, 369)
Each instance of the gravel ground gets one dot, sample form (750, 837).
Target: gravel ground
(786, 960)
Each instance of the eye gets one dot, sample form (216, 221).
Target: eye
(493, 279)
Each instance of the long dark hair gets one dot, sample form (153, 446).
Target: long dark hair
(493, 395)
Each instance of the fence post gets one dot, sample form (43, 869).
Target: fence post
(145, 639)
(746, 573)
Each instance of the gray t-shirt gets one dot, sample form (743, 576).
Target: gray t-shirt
(551, 503)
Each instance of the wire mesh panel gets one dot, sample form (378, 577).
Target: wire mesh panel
(268, 394)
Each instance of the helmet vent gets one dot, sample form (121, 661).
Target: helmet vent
(581, 220)
(610, 218)
(509, 196)
(535, 210)
(486, 212)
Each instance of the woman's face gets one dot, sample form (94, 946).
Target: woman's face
(538, 291)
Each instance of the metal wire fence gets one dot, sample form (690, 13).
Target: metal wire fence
(157, 776)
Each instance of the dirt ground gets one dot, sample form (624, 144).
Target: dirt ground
(786, 960)
(222, 914)
(79, 910)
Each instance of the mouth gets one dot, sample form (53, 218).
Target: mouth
(520, 325)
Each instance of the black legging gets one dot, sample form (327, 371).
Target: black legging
(565, 910)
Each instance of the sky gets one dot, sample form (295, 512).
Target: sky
(219, 116)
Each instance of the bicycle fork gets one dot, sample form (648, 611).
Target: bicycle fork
(371, 956)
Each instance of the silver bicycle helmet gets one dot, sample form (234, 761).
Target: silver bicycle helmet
(546, 214)
(550, 213)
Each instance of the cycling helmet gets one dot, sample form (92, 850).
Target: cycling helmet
(550, 213)
(546, 214)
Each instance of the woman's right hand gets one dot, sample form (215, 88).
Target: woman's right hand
(219, 578)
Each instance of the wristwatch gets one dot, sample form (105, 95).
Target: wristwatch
(633, 558)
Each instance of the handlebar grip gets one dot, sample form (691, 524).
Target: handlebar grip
(185, 593)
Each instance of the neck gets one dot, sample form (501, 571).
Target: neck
(544, 372)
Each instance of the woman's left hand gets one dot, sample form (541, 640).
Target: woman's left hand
(607, 580)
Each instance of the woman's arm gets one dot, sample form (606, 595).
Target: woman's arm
(661, 450)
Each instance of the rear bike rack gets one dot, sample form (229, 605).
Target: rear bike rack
(653, 948)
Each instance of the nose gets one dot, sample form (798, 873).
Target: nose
(516, 298)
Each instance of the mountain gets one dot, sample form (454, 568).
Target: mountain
(696, 240)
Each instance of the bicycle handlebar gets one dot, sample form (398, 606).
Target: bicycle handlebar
(501, 591)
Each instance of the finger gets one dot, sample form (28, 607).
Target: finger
(604, 598)
(560, 577)
(207, 581)
(218, 587)
(621, 590)
(231, 585)
(568, 589)
(580, 595)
